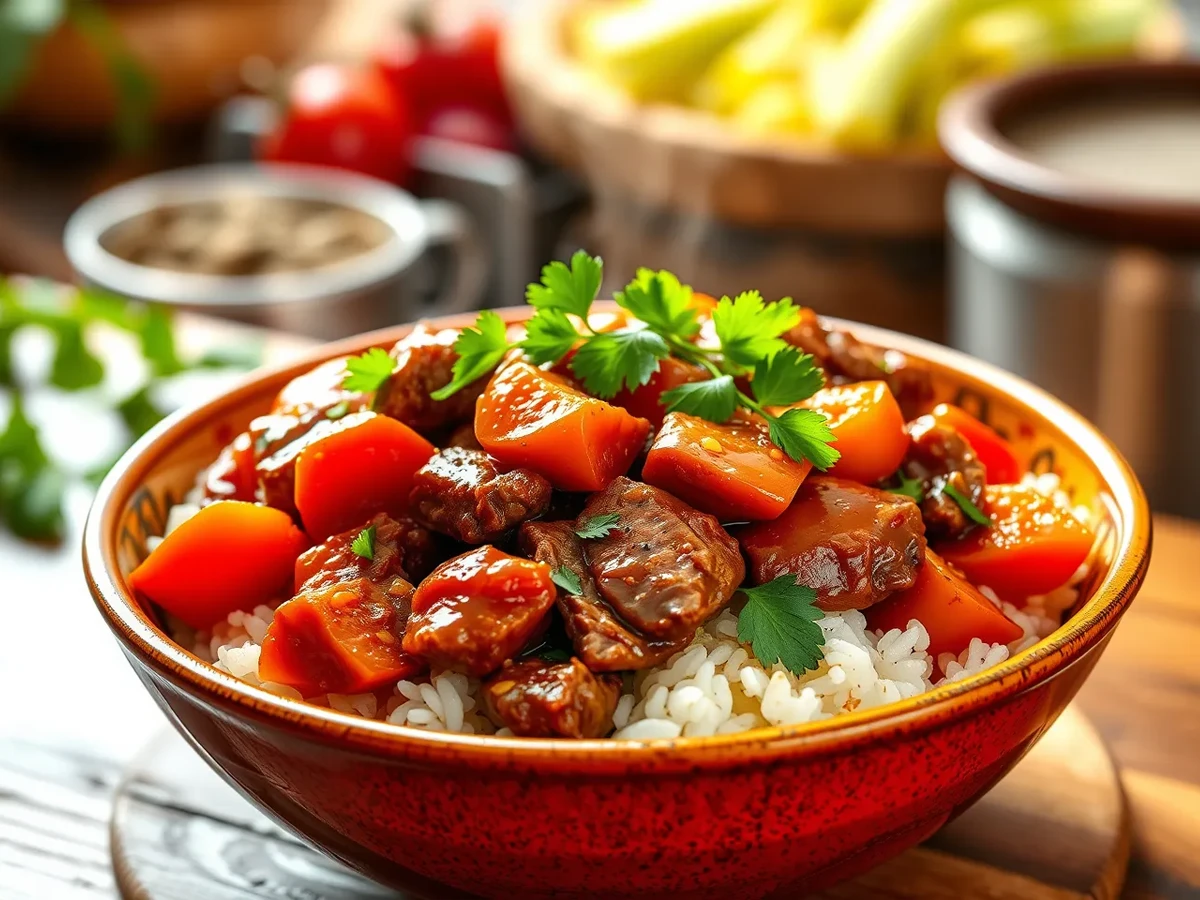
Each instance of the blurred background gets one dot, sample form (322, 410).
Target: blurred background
(156, 180)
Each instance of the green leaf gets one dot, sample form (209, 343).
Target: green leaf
(138, 412)
(570, 290)
(33, 507)
(567, 580)
(598, 526)
(75, 367)
(337, 411)
(714, 400)
(367, 372)
(244, 355)
(749, 329)
(479, 350)
(787, 377)
(158, 341)
(7, 374)
(550, 336)
(804, 434)
(608, 362)
(779, 622)
(909, 487)
(24, 24)
(364, 543)
(555, 654)
(659, 300)
(19, 442)
(974, 513)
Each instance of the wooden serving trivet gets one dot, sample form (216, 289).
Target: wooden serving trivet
(1056, 828)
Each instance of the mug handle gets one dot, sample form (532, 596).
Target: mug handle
(457, 257)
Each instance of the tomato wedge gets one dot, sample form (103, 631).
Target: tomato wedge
(732, 471)
(365, 465)
(1033, 546)
(869, 427)
(231, 555)
(996, 454)
(952, 610)
(531, 418)
(342, 638)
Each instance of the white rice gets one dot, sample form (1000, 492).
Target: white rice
(714, 686)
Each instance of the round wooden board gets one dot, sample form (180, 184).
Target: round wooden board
(1055, 828)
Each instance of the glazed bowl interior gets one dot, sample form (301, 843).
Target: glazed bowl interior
(133, 502)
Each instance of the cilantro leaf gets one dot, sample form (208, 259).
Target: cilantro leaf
(714, 400)
(787, 377)
(779, 622)
(138, 412)
(364, 543)
(158, 341)
(598, 526)
(337, 411)
(804, 434)
(33, 504)
(659, 300)
(75, 367)
(974, 513)
(550, 336)
(479, 350)
(749, 328)
(567, 580)
(554, 654)
(368, 372)
(570, 290)
(610, 361)
(909, 487)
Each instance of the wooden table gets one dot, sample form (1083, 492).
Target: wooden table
(61, 759)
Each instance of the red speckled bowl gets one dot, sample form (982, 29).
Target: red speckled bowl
(776, 812)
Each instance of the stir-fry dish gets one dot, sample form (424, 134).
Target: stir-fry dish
(684, 517)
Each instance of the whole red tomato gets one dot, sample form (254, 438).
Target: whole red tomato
(344, 117)
(437, 66)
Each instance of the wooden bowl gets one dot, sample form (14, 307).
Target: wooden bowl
(689, 161)
(191, 50)
(777, 811)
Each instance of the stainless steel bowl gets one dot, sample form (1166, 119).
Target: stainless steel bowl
(430, 241)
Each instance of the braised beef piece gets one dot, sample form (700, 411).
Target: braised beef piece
(939, 457)
(847, 359)
(535, 698)
(467, 495)
(319, 390)
(478, 610)
(664, 568)
(278, 440)
(464, 436)
(600, 638)
(402, 547)
(425, 362)
(232, 476)
(854, 545)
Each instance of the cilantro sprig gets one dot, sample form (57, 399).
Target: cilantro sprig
(750, 344)
(973, 512)
(598, 526)
(567, 580)
(779, 622)
(908, 487)
(364, 543)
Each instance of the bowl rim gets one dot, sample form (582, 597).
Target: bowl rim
(396, 209)
(140, 637)
(972, 130)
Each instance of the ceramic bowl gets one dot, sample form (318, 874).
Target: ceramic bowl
(775, 812)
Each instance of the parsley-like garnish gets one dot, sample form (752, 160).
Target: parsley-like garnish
(364, 544)
(749, 329)
(567, 580)
(779, 622)
(337, 411)
(479, 350)
(367, 373)
(598, 526)
(909, 487)
(974, 513)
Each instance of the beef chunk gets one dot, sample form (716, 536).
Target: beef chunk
(278, 440)
(465, 494)
(402, 547)
(425, 362)
(232, 476)
(847, 359)
(478, 610)
(319, 390)
(939, 457)
(535, 698)
(853, 545)
(665, 568)
(600, 638)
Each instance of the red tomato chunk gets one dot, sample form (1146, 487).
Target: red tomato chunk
(732, 471)
(529, 418)
(478, 610)
(950, 608)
